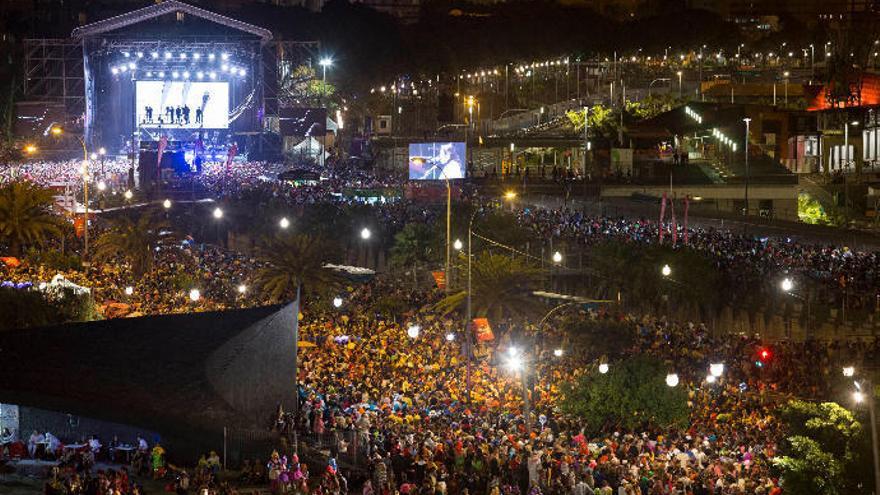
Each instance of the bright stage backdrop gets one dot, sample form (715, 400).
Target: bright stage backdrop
(211, 97)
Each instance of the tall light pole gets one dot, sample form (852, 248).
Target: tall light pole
(57, 131)
(812, 62)
(679, 83)
(786, 74)
(746, 148)
(847, 159)
(859, 396)
(324, 63)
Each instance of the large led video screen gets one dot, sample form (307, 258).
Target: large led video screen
(182, 104)
(437, 161)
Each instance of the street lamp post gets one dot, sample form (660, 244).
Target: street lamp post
(57, 131)
(679, 83)
(746, 150)
(786, 74)
(324, 62)
(867, 385)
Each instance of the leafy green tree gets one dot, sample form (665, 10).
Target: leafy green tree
(295, 260)
(301, 85)
(635, 271)
(416, 244)
(22, 308)
(502, 288)
(651, 106)
(602, 121)
(132, 240)
(632, 394)
(826, 452)
(26, 216)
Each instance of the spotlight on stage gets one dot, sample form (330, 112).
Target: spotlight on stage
(155, 54)
(200, 74)
(126, 54)
(114, 70)
(140, 54)
(197, 56)
(161, 73)
(175, 74)
(132, 66)
(242, 72)
(225, 67)
(149, 73)
(182, 56)
(211, 56)
(167, 55)
(123, 68)
(213, 75)
(186, 74)
(224, 56)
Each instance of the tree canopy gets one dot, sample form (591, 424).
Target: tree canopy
(632, 394)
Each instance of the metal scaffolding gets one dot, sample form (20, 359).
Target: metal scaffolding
(54, 73)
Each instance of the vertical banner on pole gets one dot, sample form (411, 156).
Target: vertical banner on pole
(674, 224)
(662, 215)
(687, 204)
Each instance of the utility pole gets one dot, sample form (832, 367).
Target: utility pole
(746, 148)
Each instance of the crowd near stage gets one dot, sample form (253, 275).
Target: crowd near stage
(169, 85)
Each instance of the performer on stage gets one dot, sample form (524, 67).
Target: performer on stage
(446, 165)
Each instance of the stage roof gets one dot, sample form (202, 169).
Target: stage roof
(165, 8)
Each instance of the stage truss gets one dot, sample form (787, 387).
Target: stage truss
(54, 74)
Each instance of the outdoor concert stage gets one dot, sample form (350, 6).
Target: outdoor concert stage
(202, 80)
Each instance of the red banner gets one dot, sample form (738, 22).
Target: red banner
(482, 330)
(440, 278)
(674, 224)
(79, 226)
(662, 214)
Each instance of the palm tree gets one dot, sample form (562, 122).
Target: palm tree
(295, 261)
(133, 241)
(26, 215)
(502, 288)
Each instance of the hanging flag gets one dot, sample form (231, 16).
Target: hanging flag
(439, 278)
(674, 225)
(662, 215)
(482, 330)
(687, 204)
(230, 155)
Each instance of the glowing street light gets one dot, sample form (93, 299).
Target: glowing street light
(129, 290)
(195, 295)
(218, 213)
(858, 396)
(457, 245)
(166, 204)
(666, 270)
(711, 379)
(787, 285)
(128, 194)
(93, 156)
(716, 369)
(102, 185)
(514, 363)
(413, 331)
(242, 288)
(337, 302)
(510, 195)
(30, 149)
(365, 233)
(512, 351)
(603, 368)
(284, 223)
(450, 337)
(557, 257)
(849, 371)
(672, 379)
(558, 352)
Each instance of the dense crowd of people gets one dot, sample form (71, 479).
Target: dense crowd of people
(422, 418)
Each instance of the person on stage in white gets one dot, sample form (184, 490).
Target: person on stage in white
(94, 444)
(35, 439)
(52, 444)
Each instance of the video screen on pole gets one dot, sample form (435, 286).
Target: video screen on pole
(437, 161)
(182, 104)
